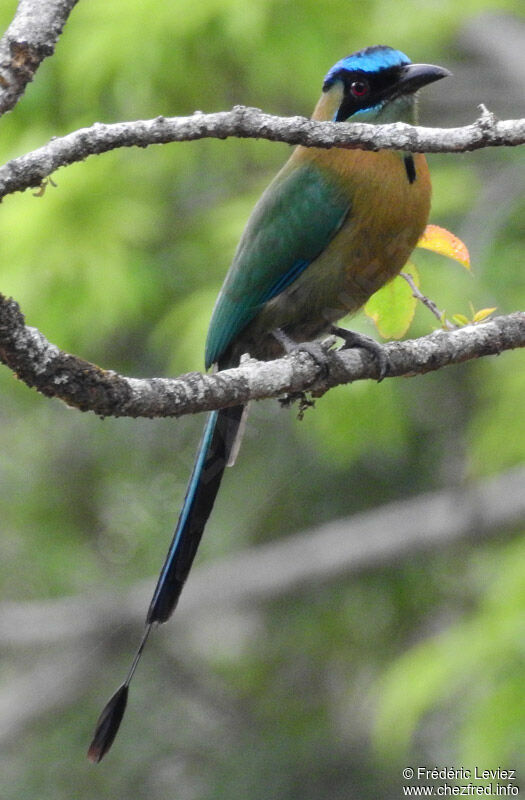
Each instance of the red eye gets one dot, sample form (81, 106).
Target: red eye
(359, 88)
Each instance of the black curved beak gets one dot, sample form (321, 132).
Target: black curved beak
(415, 76)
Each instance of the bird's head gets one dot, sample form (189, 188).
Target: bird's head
(376, 85)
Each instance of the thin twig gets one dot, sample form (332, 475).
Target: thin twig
(432, 307)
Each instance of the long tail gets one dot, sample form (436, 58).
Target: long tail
(216, 447)
(213, 455)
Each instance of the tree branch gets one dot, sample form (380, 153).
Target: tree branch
(234, 585)
(86, 386)
(31, 169)
(261, 573)
(30, 38)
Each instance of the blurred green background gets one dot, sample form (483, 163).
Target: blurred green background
(330, 688)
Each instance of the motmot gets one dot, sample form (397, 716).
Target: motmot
(333, 227)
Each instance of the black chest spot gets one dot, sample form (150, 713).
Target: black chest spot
(410, 168)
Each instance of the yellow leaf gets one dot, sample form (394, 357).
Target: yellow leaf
(482, 314)
(460, 319)
(445, 243)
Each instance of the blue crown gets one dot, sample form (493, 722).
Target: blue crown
(371, 59)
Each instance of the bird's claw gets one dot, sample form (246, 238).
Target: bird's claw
(376, 350)
(317, 350)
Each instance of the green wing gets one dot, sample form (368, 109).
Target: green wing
(293, 222)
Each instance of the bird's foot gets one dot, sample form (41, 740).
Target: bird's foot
(376, 350)
(303, 403)
(317, 350)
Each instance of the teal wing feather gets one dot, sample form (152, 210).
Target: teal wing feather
(293, 222)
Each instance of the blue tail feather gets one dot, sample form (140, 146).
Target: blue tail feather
(212, 457)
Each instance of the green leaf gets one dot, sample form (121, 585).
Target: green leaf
(482, 314)
(461, 319)
(392, 308)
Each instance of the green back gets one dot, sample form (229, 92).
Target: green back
(290, 226)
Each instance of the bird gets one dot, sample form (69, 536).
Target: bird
(331, 228)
